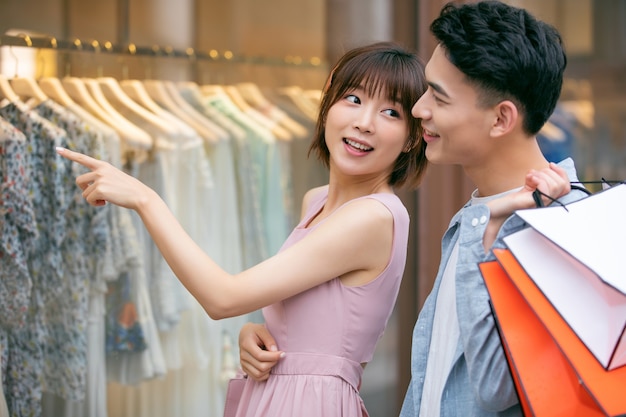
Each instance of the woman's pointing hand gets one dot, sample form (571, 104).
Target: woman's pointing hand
(105, 183)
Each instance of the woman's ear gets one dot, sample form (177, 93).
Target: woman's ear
(506, 118)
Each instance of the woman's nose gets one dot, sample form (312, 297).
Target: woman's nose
(364, 122)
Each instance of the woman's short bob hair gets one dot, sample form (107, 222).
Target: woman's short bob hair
(387, 68)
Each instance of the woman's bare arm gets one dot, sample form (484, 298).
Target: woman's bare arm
(355, 239)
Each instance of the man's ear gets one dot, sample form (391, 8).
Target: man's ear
(506, 118)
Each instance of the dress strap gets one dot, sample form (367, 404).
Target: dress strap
(300, 363)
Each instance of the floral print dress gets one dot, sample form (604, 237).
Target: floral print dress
(67, 306)
(17, 235)
(17, 223)
(23, 346)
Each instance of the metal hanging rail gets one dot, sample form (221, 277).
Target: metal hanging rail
(94, 46)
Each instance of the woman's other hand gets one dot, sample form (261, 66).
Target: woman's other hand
(258, 352)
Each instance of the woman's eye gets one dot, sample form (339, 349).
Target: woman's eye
(353, 99)
(392, 113)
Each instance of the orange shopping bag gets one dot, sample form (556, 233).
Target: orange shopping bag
(573, 254)
(554, 372)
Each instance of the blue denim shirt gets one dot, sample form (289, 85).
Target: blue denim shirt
(479, 383)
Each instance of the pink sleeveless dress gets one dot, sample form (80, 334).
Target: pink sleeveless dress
(327, 332)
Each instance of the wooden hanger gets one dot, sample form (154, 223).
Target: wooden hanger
(118, 98)
(167, 95)
(6, 91)
(137, 91)
(138, 136)
(300, 99)
(278, 131)
(211, 112)
(157, 91)
(77, 89)
(237, 98)
(53, 88)
(314, 95)
(253, 95)
(220, 92)
(27, 87)
(212, 89)
(217, 130)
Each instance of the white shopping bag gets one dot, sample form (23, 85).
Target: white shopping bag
(577, 258)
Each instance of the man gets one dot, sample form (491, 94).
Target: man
(494, 79)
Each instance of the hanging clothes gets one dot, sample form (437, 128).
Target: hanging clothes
(92, 320)
(266, 166)
(18, 227)
(87, 231)
(307, 171)
(48, 178)
(111, 259)
(74, 356)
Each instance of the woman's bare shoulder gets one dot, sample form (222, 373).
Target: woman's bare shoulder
(310, 196)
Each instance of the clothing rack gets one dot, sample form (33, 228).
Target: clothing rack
(131, 49)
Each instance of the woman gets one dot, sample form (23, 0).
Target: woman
(328, 293)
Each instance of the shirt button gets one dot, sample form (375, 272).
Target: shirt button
(474, 221)
(483, 219)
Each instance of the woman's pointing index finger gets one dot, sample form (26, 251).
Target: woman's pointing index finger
(78, 157)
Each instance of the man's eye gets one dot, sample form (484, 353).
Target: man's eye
(437, 99)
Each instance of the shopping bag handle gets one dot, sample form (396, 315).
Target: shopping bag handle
(575, 186)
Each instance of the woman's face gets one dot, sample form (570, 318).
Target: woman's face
(365, 134)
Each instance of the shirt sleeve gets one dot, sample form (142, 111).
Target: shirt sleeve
(487, 366)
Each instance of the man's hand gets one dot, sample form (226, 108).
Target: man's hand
(551, 181)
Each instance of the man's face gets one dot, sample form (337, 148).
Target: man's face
(456, 128)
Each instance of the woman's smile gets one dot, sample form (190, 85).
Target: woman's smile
(354, 145)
